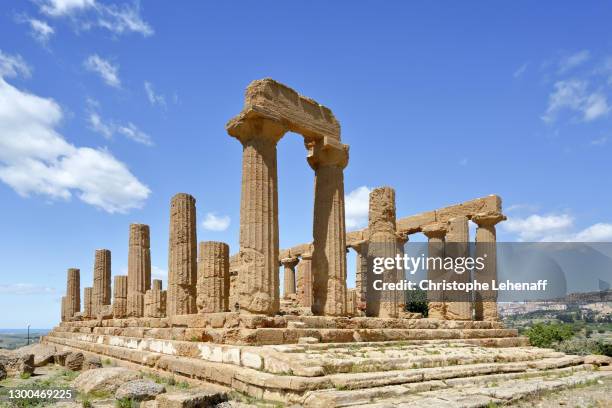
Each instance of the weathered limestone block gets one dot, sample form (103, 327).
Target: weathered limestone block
(88, 303)
(272, 100)
(101, 294)
(155, 303)
(485, 306)
(382, 244)
(459, 304)
(73, 292)
(182, 258)
(435, 233)
(139, 269)
(304, 281)
(213, 277)
(258, 277)
(328, 158)
(120, 296)
(289, 265)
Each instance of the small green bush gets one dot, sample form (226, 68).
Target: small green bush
(544, 335)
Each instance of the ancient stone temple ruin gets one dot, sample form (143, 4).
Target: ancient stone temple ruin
(326, 342)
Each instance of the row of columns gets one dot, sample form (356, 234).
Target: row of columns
(194, 285)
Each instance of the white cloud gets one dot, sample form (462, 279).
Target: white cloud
(97, 125)
(13, 65)
(58, 8)
(356, 205)
(36, 159)
(154, 99)
(212, 222)
(556, 228)
(133, 133)
(118, 19)
(107, 71)
(520, 70)
(573, 61)
(599, 141)
(574, 95)
(25, 289)
(39, 30)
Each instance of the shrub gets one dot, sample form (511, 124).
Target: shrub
(544, 335)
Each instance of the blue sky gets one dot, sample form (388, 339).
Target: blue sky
(107, 109)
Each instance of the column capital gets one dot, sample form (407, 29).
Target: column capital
(248, 127)
(327, 152)
(435, 230)
(488, 218)
(289, 262)
(358, 246)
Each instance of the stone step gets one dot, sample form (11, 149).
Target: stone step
(476, 391)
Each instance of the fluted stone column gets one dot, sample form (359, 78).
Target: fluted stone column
(156, 284)
(402, 296)
(182, 258)
(289, 265)
(304, 280)
(73, 292)
(88, 303)
(101, 294)
(213, 277)
(485, 306)
(155, 301)
(64, 308)
(258, 278)
(139, 269)
(361, 271)
(352, 302)
(383, 244)
(435, 249)
(328, 159)
(459, 307)
(120, 292)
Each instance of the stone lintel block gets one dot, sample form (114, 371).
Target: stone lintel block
(269, 99)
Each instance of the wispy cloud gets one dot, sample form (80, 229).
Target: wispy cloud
(356, 205)
(117, 18)
(107, 71)
(520, 70)
(599, 141)
(25, 289)
(40, 30)
(154, 99)
(109, 128)
(574, 60)
(576, 96)
(214, 222)
(13, 65)
(556, 228)
(37, 160)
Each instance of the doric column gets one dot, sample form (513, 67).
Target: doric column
(289, 265)
(120, 292)
(156, 284)
(101, 294)
(155, 303)
(486, 248)
(73, 292)
(304, 280)
(87, 303)
(258, 277)
(328, 158)
(459, 306)
(213, 277)
(64, 308)
(435, 273)
(382, 244)
(182, 257)
(352, 302)
(139, 269)
(361, 271)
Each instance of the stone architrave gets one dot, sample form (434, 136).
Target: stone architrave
(101, 294)
(459, 303)
(485, 306)
(213, 277)
(120, 292)
(328, 158)
(259, 246)
(139, 269)
(88, 303)
(304, 280)
(435, 233)
(73, 292)
(182, 258)
(382, 244)
(289, 265)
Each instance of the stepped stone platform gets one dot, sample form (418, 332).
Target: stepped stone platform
(304, 360)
